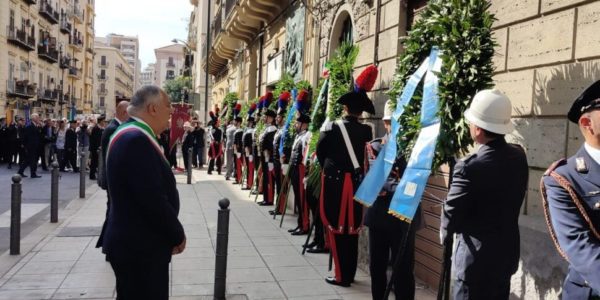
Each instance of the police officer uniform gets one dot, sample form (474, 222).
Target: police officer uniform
(267, 165)
(571, 192)
(215, 152)
(482, 213)
(248, 145)
(341, 215)
(238, 150)
(297, 175)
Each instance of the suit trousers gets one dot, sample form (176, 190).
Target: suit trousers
(344, 248)
(382, 241)
(141, 279)
(93, 162)
(230, 163)
(31, 160)
(484, 289)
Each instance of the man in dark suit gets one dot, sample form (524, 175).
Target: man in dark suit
(483, 213)
(4, 145)
(71, 146)
(188, 143)
(17, 147)
(142, 231)
(571, 192)
(199, 145)
(32, 141)
(47, 145)
(342, 173)
(95, 143)
(120, 117)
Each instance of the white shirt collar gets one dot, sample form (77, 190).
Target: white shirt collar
(593, 152)
(118, 121)
(142, 121)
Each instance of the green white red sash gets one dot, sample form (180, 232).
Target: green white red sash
(139, 127)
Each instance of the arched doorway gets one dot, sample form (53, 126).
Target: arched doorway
(342, 30)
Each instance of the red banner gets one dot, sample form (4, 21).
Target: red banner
(180, 115)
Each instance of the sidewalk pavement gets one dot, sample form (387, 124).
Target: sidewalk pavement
(59, 261)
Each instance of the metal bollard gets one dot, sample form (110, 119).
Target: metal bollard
(54, 193)
(15, 216)
(189, 166)
(82, 175)
(221, 252)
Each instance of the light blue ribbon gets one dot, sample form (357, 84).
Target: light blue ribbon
(408, 194)
(375, 179)
(290, 116)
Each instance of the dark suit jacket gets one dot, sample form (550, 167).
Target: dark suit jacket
(96, 138)
(71, 140)
(199, 135)
(142, 223)
(32, 137)
(573, 232)
(106, 134)
(482, 207)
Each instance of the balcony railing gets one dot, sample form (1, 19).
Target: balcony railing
(89, 50)
(20, 38)
(122, 69)
(75, 72)
(102, 92)
(48, 12)
(170, 77)
(102, 78)
(20, 88)
(217, 26)
(65, 62)
(30, 2)
(65, 26)
(170, 64)
(76, 42)
(48, 95)
(49, 54)
(76, 13)
(103, 64)
(229, 5)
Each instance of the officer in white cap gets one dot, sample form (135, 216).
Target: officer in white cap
(483, 203)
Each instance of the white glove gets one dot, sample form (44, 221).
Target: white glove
(250, 158)
(271, 166)
(284, 168)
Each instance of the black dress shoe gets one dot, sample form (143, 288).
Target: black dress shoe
(36, 176)
(311, 245)
(317, 250)
(331, 280)
(274, 212)
(299, 232)
(292, 230)
(265, 204)
(209, 173)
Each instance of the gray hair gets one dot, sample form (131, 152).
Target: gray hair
(143, 97)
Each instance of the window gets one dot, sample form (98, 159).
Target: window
(11, 20)
(346, 35)
(103, 74)
(101, 101)
(103, 60)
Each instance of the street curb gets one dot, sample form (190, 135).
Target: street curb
(30, 242)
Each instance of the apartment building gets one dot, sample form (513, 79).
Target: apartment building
(169, 63)
(129, 46)
(147, 76)
(45, 66)
(114, 79)
(198, 27)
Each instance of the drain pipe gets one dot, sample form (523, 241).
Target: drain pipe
(261, 45)
(377, 29)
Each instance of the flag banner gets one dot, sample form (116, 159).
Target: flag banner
(290, 117)
(408, 194)
(180, 115)
(375, 179)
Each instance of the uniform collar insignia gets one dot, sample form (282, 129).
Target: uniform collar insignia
(580, 165)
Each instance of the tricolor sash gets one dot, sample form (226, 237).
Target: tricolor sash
(139, 127)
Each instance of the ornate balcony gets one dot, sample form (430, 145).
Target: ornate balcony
(20, 38)
(48, 95)
(76, 13)
(170, 64)
(76, 43)
(102, 78)
(48, 12)
(74, 72)
(103, 64)
(65, 26)
(20, 89)
(30, 2)
(102, 92)
(49, 54)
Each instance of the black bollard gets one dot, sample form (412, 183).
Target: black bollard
(189, 166)
(82, 166)
(221, 252)
(54, 193)
(15, 216)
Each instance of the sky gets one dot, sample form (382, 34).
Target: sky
(155, 22)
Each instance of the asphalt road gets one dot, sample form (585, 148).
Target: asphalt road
(35, 209)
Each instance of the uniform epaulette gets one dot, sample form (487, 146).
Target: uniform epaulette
(327, 125)
(555, 165)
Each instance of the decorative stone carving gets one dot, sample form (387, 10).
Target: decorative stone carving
(294, 43)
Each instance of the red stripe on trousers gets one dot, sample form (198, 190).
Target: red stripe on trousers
(337, 268)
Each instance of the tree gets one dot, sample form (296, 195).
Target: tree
(175, 88)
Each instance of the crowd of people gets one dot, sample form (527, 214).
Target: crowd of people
(37, 142)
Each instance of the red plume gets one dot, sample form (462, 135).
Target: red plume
(269, 96)
(238, 107)
(366, 79)
(285, 96)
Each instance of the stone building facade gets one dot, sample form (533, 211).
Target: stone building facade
(46, 53)
(546, 55)
(115, 80)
